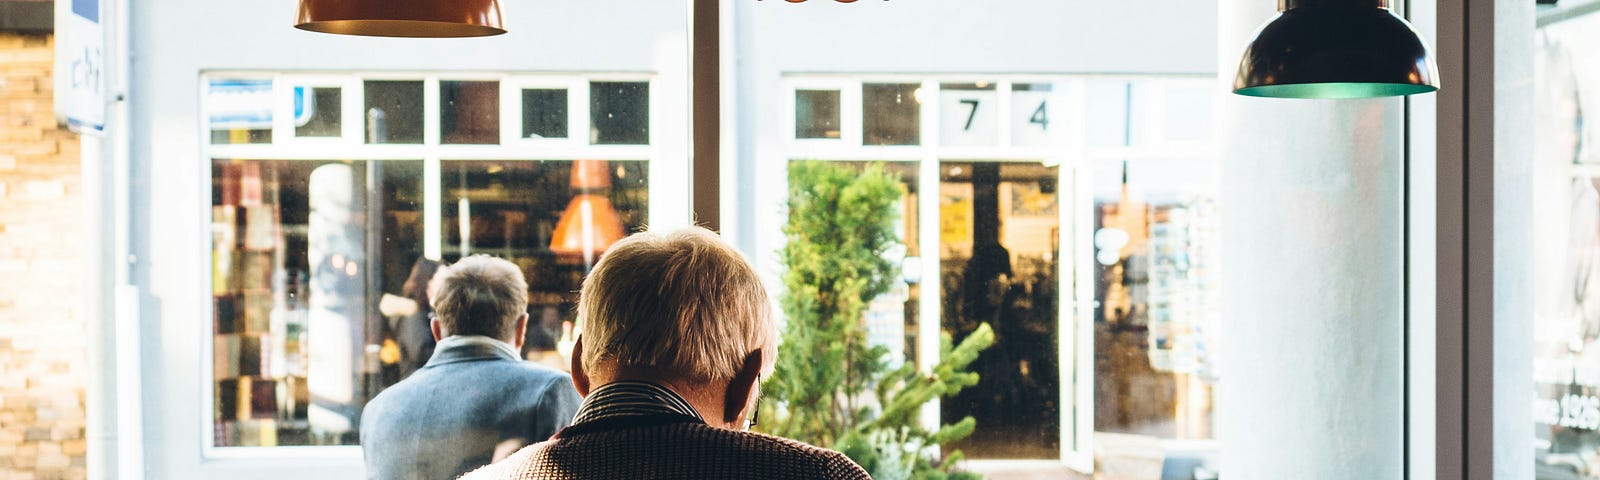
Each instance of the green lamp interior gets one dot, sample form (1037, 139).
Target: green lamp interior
(1335, 90)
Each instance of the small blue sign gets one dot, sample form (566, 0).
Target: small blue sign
(89, 9)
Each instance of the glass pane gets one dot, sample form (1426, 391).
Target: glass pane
(394, 111)
(1157, 304)
(469, 112)
(239, 111)
(1031, 115)
(1566, 236)
(544, 113)
(999, 264)
(969, 114)
(525, 212)
(891, 318)
(816, 114)
(1108, 109)
(619, 113)
(317, 112)
(1188, 114)
(300, 252)
(891, 113)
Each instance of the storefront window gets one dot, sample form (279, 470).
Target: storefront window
(393, 112)
(544, 113)
(297, 247)
(240, 110)
(323, 114)
(513, 210)
(1077, 217)
(999, 257)
(891, 113)
(1567, 255)
(469, 112)
(1156, 297)
(322, 240)
(816, 114)
(620, 113)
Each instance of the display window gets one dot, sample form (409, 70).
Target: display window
(335, 198)
(1074, 215)
(1566, 326)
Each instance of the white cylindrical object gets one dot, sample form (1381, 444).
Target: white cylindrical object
(1312, 249)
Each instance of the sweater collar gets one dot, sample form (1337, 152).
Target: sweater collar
(633, 398)
(459, 348)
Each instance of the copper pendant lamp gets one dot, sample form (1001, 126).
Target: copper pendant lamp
(1336, 49)
(402, 18)
(590, 223)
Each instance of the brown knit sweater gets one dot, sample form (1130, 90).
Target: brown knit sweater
(665, 447)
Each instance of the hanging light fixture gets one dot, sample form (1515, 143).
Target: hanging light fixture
(1336, 49)
(401, 18)
(590, 224)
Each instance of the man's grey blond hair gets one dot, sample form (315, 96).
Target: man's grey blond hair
(681, 302)
(481, 295)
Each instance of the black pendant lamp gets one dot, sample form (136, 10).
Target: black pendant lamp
(1336, 49)
(401, 18)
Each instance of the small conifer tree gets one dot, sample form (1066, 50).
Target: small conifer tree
(831, 388)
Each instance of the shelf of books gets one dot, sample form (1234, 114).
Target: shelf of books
(258, 320)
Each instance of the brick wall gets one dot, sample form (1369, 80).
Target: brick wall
(42, 312)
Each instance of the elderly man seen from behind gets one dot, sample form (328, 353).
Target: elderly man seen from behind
(677, 335)
(476, 397)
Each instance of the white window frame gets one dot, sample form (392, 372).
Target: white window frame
(1067, 149)
(664, 210)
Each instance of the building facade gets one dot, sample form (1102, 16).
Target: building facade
(1166, 267)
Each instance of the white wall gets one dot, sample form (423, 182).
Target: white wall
(174, 41)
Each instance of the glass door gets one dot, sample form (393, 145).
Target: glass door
(1000, 264)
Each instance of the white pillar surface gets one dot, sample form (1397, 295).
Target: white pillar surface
(1312, 238)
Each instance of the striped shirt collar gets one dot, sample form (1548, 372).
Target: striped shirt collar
(632, 397)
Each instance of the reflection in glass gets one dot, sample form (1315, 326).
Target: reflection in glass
(239, 111)
(302, 252)
(318, 112)
(891, 113)
(969, 114)
(1157, 299)
(999, 232)
(1031, 122)
(469, 112)
(1109, 103)
(221, 136)
(619, 113)
(816, 114)
(393, 111)
(544, 113)
(891, 318)
(1566, 253)
(1188, 114)
(510, 209)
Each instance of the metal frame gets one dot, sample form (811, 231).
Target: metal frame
(1467, 350)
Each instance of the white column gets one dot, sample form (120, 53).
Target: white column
(1311, 358)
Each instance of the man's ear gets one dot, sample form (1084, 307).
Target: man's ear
(580, 378)
(742, 389)
(433, 325)
(521, 331)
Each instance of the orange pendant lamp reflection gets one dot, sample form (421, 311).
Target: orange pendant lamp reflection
(402, 18)
(590, 224)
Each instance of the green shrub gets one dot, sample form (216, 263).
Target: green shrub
(831, 388)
